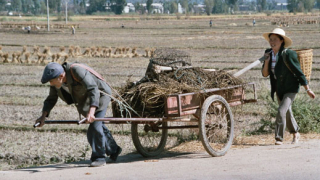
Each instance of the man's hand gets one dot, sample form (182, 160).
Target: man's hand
(41, 119)
(90, 116)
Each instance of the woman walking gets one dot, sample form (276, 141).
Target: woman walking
(283, 68)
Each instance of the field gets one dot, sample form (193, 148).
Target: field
(231, 44)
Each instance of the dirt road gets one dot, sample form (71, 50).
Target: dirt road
(255, 162)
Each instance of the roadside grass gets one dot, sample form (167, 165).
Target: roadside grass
(306, 112)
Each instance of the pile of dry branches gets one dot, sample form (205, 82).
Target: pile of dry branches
(147, 97)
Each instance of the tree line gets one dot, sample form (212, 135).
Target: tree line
(36, 7)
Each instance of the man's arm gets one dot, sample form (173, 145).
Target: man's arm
(89, 82)
(50, 101)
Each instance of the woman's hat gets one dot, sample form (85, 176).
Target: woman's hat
(280, 32)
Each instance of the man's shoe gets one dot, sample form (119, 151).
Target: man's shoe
(97, 163)
(296, 138)
(278, 143)
(114, 156)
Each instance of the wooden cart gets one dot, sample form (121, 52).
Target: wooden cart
(212, 115)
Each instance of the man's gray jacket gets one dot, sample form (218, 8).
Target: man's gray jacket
(84, 89)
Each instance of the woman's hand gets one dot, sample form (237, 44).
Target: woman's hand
(311, 94)
(265, 70)
(267, 56)
(309, 91)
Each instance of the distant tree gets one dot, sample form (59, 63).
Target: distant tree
(82, 6)
(292, 5)
(96, 5)
(219, 7)
(318, 3)
(27, 6)
(139, 8)
(36, 7)
(191, 5)
(166, 6)
(118, 6)
(54, 5)
(232, 4)
(262, 4)
(43, 7)
(308, 4)
(16, 5)
(300, 5)
(272, 5)
(148, 4)
(259, 6)
(58, 5)
(252, 5)
(2, 4)
(209, 5)
(76, 6)
(173, 7)
(184, 4)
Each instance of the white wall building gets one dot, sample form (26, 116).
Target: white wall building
(200, 8)
(180, 9)
(129, 8)
(156, 7)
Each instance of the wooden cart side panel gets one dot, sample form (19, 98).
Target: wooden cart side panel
(237, 94)
(185, 104)
(178, 105)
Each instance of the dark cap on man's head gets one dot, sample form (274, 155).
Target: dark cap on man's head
(51, 71)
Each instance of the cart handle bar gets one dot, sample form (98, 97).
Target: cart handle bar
(113, 119)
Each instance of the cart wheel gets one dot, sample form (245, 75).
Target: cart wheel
(216, 125)
(148, 139)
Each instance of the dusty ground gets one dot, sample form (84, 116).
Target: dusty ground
(224, 46)
(265, 162)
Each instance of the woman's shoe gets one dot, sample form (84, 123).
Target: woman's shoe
(296, 138)
(278, 143)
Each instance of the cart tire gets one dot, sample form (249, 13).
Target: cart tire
(149, 144)
(216, 125)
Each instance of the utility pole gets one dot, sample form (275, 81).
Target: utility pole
(48, 15)
(66, 11)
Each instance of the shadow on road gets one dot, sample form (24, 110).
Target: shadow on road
(127, 158)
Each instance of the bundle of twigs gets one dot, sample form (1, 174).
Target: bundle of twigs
(148, 98)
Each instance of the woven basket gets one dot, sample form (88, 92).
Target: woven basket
(305, 59)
